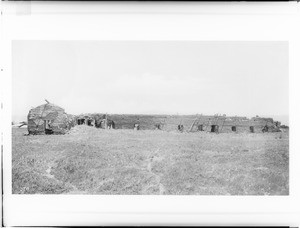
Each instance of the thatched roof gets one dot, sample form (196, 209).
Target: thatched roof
(60, 121)
(47, 111)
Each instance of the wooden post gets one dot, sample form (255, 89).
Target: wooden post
(223, 124)
(217, 125)
(164, 123)
(191, 128)
(106, 121)
(195, 121)
(208, 124)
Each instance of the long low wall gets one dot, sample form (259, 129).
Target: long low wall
(170, 123)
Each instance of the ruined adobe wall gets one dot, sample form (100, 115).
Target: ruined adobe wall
(170, 123)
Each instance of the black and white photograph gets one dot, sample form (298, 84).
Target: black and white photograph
(150, 117)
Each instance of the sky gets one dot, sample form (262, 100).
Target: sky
(152, 77)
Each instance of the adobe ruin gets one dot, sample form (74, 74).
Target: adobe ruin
(52, 119)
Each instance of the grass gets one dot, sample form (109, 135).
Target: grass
(95, 161)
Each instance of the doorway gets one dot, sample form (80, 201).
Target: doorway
(214, 128)
(48, 128)
(90, 122)
(200, 128)
(80, 121)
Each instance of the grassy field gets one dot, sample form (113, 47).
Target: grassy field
(95, 161)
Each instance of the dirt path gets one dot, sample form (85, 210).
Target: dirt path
(152, 159)
(51, 176)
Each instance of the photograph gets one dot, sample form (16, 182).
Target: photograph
(150, 117)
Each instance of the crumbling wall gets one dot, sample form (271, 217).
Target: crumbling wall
(60, 121)
(171, 122)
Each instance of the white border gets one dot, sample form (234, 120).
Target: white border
(152, 21)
